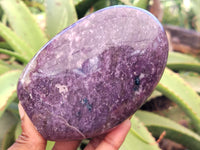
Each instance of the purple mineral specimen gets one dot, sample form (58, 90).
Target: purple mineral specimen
(94, 74)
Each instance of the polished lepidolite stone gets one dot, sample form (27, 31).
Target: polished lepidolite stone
(94, 74)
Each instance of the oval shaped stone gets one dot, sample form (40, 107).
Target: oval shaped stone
(94, 74)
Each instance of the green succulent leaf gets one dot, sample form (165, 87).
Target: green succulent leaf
(23, 23)
(50, 145)
(76, 2)
(192, 78)
(13, 108)
(139, 137)
(100, 5)
(141, 3)
(157, 124)
(18, 130)
(8, 138)
(14, 54)
(12, 65)
(5, 45)
(7, 126)
(8, 82)
(83, 6)
(63, 15)
(176, 57)
(185, 66)
(179, 91)
(127, 2)
(179, 61)
(3, 69)
(15, 42)
(153, 95)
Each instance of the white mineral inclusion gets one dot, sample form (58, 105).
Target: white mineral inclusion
(25, 77)
(93, 64)
(62, 88)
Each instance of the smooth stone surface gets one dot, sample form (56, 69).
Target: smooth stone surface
(94, 74)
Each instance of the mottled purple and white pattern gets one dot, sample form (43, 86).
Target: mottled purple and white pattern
(94, 74)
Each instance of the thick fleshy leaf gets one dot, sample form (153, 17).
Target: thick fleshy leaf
(60, 14)
(126, 2)
(12, 65)
(176, 57)
(7, 125)
(83, 6)
(175, 113)
(14, 54)
(13, 108)
(141, 3)
(185, 66)
(179, 91)
(157, 125)
(5, 45)
(8, 82)
(139, 138)
(154, 95)
(100, 4)
(23, 23)
(179, 61)
(17, 44)
(50, 145)
(18, 130)
(3, 68)
(193, 79)
(77, 1)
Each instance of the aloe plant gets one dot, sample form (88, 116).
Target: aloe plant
(157, 124)
(22, 38)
